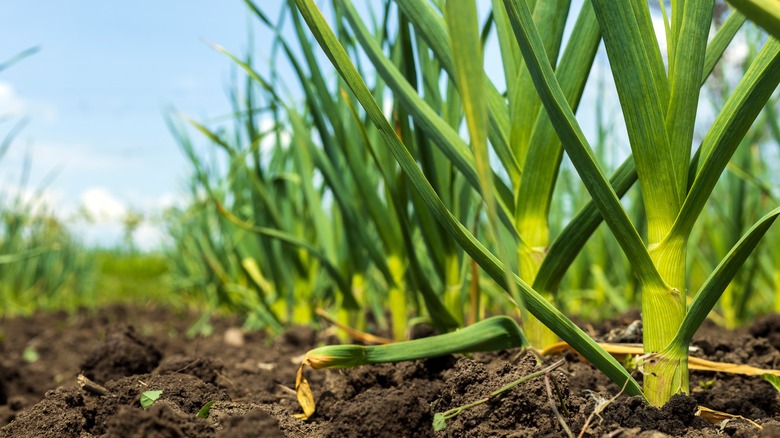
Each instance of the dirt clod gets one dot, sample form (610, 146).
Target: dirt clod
(254, 423)
(123, 353)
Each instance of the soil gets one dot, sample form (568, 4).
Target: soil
(248, 376)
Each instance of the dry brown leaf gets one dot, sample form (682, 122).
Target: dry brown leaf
(694, 363)
(355, 334)
(717, 417)
(304, 394)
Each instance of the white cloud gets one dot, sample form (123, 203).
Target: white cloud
(102, 206)
(169, 200)
(12, 104)
(148, 236)
(108, 211)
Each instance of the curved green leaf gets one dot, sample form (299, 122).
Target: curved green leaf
(461, 17)
(686, 66)
(576, 145)
(431, 27)
(534, 193)
(643, 95)
(765, 13)
(709, 293)
(728, 129)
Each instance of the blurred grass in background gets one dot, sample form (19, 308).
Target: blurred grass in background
(41, 265)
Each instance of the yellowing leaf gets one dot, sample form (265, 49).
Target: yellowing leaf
(716, 417)
(694, 363)
(305, 396)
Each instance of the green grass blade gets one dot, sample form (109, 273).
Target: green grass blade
(461, 17)
(511, 58)
(643, 102)
(720, 41)
(708, 295)
(321, 88)
(9, 137)
(537, 183)
(24, 255)
(524, 102)
(650, 48)
(572, 239)
(576, 145)
(686, 66)
(537, 305)
(19, 56)
(491, 334)
(439, 131)
(765, 13)
(432, 28)
(728, 129)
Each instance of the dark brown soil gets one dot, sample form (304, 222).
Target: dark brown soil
(249, 377)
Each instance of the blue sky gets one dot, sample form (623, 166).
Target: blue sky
(96, 91)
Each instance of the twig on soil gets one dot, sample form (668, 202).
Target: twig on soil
(598, 408)
(559, 393)
(440, 418)
(89, 386)
(194, 362)
(554, 408)
(287, 390)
